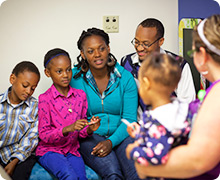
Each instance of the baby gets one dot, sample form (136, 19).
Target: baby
(167, 123)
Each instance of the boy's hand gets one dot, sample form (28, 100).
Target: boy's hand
(93, 124)
(133, 129)
(11, 166)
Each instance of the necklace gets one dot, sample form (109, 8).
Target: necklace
(70, 110)
(70, 106)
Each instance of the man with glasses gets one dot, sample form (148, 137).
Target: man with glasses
(149, 37)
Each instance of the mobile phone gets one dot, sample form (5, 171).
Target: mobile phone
(93, 122)
(126, 122)
(90, 123)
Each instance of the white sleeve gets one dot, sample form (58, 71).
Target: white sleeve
(185, 90)
(139, 112)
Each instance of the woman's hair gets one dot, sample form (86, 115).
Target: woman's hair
(161, 68)
(91, 32)
(25, 66)
(83, 63)
(211, 32)
(54, 53)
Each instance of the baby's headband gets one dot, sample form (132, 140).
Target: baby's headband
(45, 65)
(202, 36)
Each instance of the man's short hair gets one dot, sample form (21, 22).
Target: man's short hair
(151, 22)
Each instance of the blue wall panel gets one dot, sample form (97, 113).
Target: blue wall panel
(197, 8)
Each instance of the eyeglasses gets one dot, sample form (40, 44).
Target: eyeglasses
(191, 52)
(144, 44)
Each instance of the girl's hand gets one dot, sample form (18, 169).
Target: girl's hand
(79, 124)
(133, 129)
(94, 123)
(76, 126)
(102, 149)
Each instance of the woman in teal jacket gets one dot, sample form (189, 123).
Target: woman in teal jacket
(112, 95)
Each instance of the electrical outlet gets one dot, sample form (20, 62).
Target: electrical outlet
(111, 24)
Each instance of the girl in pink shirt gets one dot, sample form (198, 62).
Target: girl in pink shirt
(62, 120)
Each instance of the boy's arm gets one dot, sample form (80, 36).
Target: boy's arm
(11, 166)
(30, 139)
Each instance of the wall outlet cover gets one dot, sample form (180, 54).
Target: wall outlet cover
(111, 24)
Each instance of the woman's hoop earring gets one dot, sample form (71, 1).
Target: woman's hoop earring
(111, 60)
(84, 66)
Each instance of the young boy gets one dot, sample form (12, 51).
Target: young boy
(19, 122)
(167, 124)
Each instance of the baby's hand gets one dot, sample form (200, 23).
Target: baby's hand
(130, 147)
(133, 129)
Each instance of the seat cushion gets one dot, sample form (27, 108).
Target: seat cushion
(91, 175)
(39, 173)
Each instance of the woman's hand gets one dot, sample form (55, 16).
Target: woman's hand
(76, 126)
(139, 169)
(93, 124)
(102, 149)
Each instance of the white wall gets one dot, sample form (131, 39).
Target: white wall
(29, 28)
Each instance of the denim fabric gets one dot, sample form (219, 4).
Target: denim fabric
(68, 167)
(114, 166)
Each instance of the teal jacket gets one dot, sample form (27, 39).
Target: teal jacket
(118, 101)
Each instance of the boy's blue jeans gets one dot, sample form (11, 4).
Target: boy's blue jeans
(113, 166)
(68, 167)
